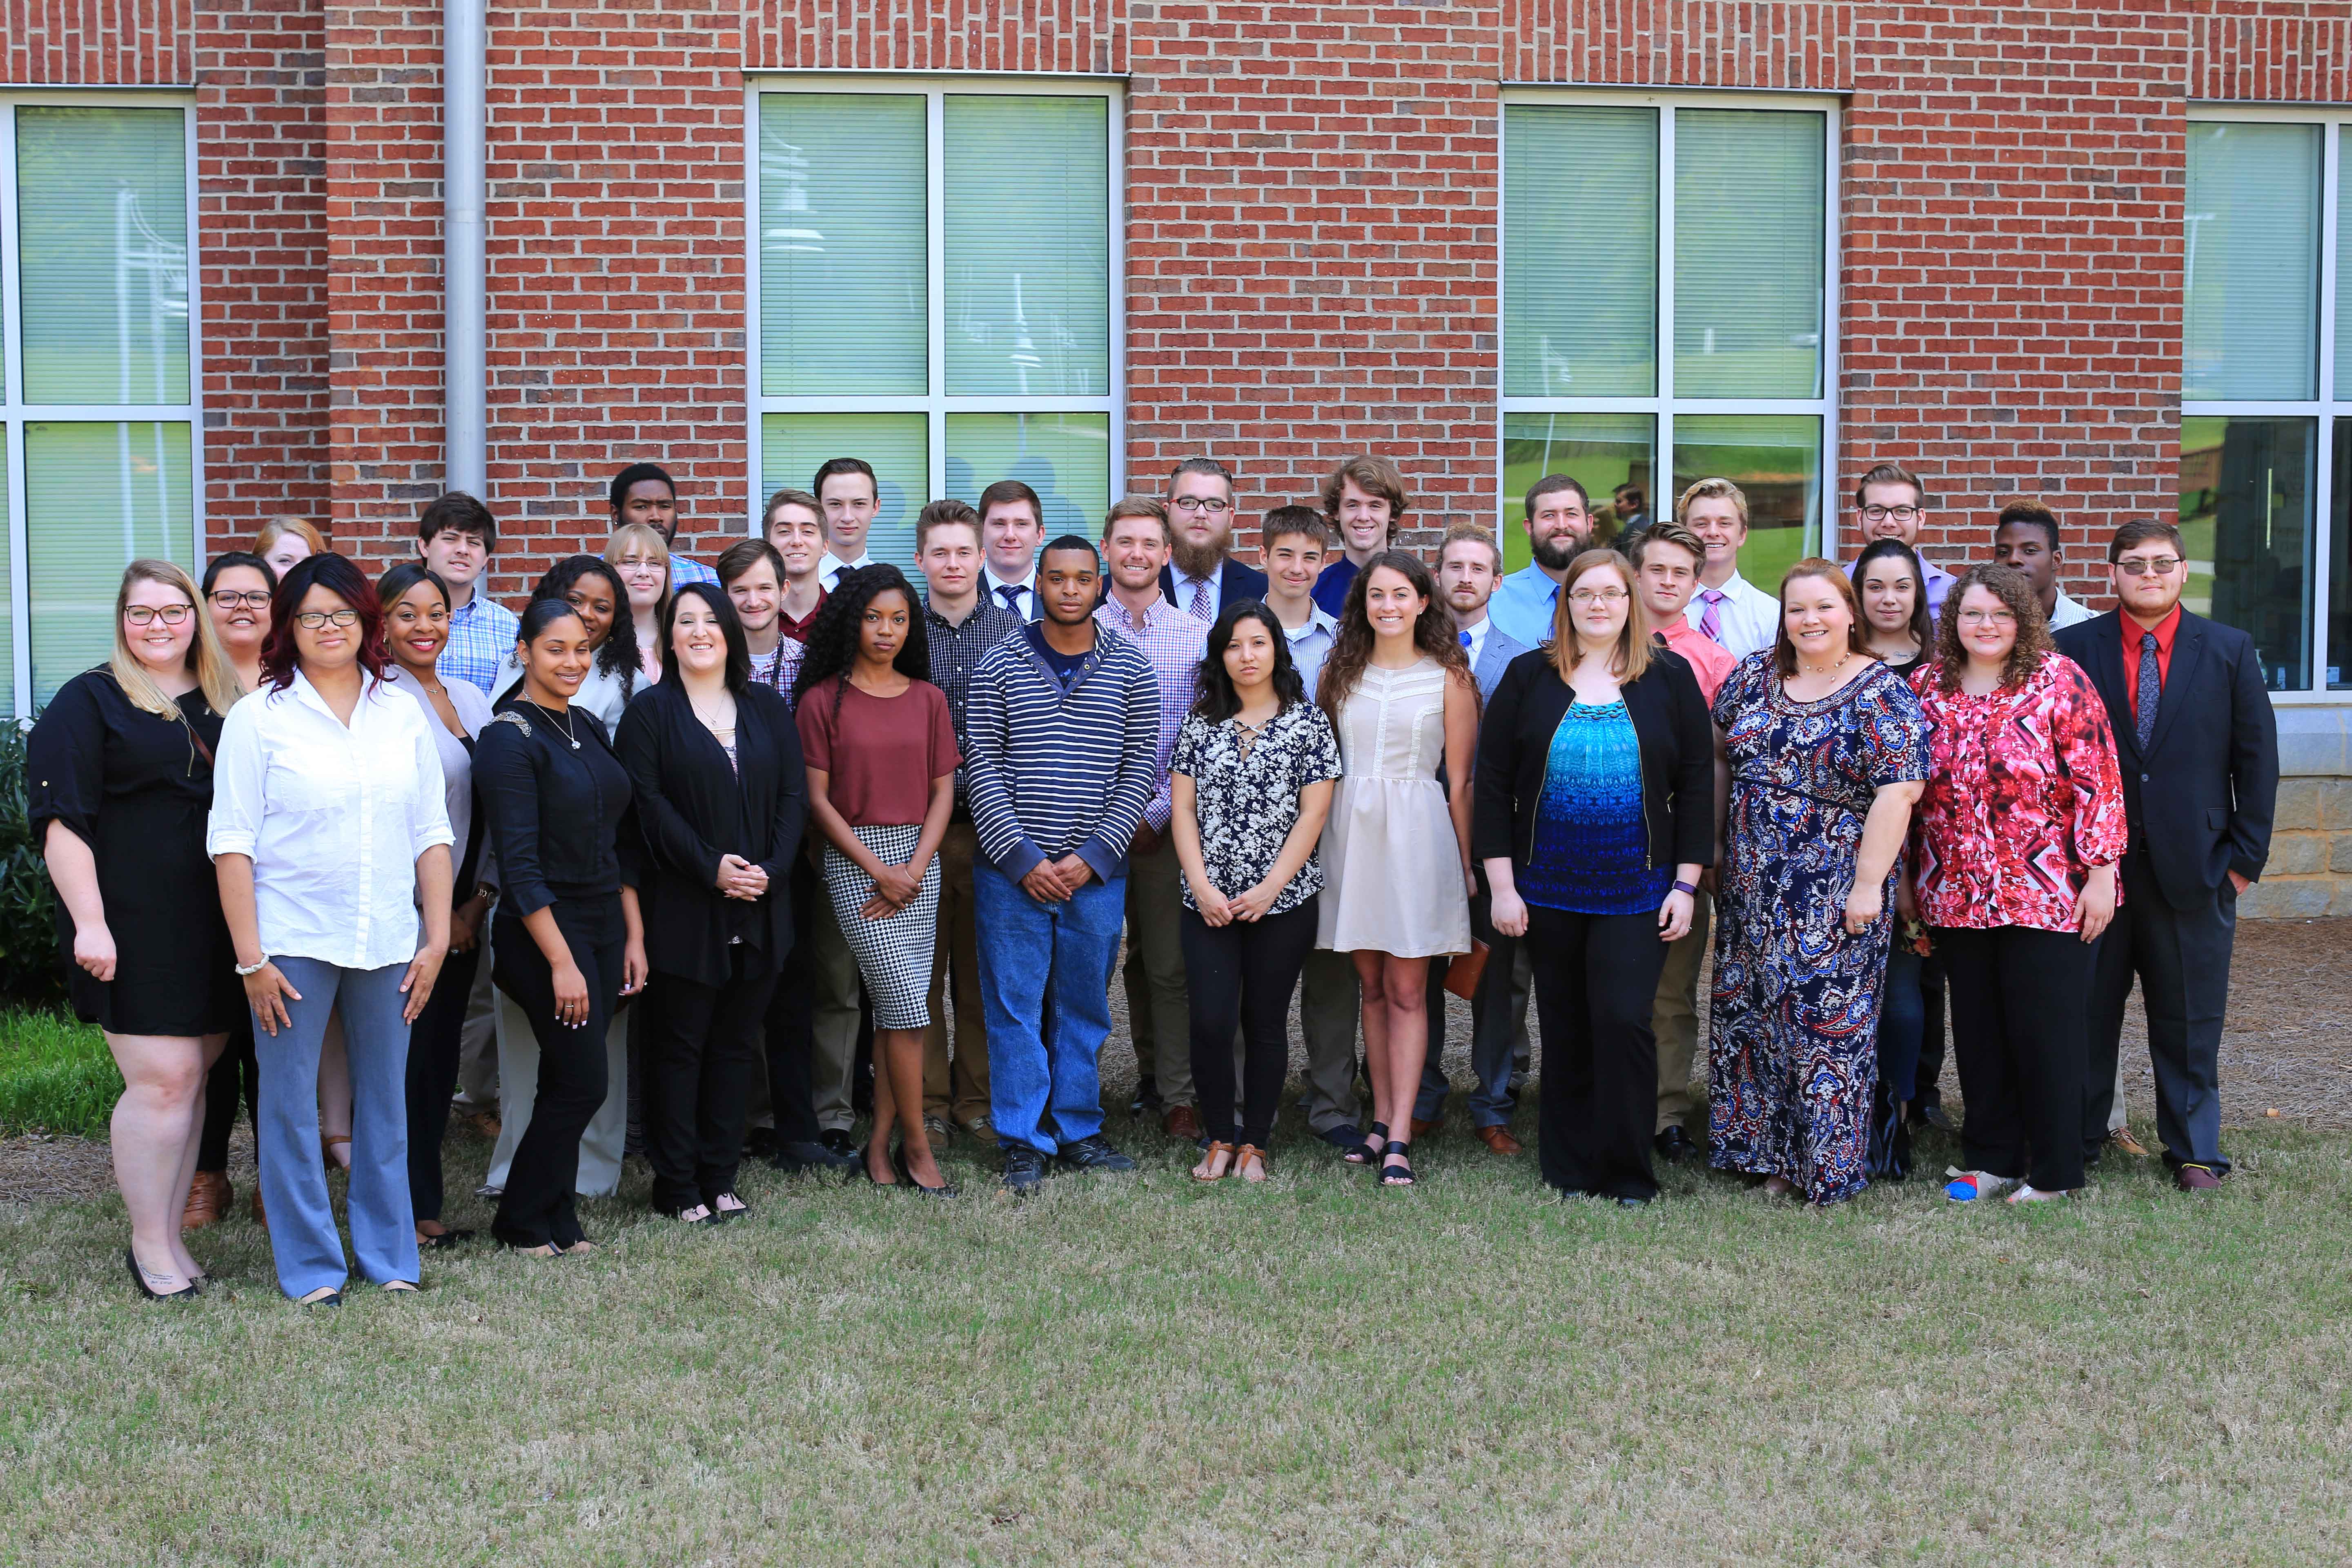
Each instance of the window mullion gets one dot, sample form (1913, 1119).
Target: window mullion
(12, 429)
(2322, 498)
(935, 269)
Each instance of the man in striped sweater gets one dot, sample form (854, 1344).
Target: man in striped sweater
(1061, 732)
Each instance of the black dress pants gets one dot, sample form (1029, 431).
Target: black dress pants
(2181, 958)
(235, 1077)
(791, 1024)
(1242, 974)
(433, 1044)
(2019, 1010)
(700, 1046)
(1596, 978)
(538, 1208)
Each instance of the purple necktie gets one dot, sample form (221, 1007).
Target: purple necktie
(1710, 620)
(1199, 608)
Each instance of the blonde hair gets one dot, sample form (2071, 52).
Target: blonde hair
(1128, 506)
(644, 539)
(216, 677)
(1711, 489)
(1474, 533)
(278, 527)
(1630, 659)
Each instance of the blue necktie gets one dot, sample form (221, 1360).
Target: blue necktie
(1011, 594)
(2151, 691)
(1465, 639)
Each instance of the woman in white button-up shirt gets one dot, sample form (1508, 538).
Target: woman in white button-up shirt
(331, 837)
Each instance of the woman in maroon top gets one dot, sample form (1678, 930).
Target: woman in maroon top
(2019, 833)
(882, 757)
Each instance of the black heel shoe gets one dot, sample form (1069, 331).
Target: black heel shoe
(1363, 1153)
(1396, 1175)
(139, 1276)
(907, 1177)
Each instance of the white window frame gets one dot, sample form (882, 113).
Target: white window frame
(934, 403)
(16, 412)
(1665, 405)
(2332, 407)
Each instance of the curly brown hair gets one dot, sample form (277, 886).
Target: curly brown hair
(2010, 587)
(1432, 634)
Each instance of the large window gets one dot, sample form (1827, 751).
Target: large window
(2266, 385)
(1669, 281)
(99, 400)
(936, 290)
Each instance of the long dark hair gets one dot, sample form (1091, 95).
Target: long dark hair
(1923, 625)
(616, 655)
(1218, 701)
(832, 648)
(730, 628)
(338, 576)
(1343, 666)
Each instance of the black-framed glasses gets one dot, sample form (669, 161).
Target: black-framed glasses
(251, 598)
(312, 620)
(2141, 565)
(1209, 504)
(1890, 515)
(147, 615)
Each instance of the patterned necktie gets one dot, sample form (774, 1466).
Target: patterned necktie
(1710, 620)
(1011, 594)
(2151, 690)
(1200, 606)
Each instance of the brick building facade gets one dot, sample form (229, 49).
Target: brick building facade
(1310, 257)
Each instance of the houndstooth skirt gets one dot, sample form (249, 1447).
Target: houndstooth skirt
(893, 953)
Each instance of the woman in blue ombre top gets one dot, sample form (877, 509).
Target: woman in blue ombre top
(1595, 815)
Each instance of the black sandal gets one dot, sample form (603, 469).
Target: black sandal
(1396, 1175)
(1362, 1153)
(445, 1240)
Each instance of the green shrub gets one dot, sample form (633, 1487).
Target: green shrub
(56, 1075)
(29, 972)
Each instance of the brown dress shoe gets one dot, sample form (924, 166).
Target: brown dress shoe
(2123, 1142)
(209, 1196)
(259, 1217)
(1181, 1121)
(2196, 1179)
(1421, 1130)
(1500, 1140)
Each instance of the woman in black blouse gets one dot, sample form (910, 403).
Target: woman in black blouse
(567, 942)
(714, 766)
(119, 768)
(1250, 783)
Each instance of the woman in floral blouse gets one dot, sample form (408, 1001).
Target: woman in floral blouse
(2019, 832)
(1251, 783)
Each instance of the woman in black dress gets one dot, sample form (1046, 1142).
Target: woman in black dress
(715, 768)
(120, 773)
(567, 943)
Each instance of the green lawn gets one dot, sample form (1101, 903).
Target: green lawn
(1140, 1369)
(56, 1075)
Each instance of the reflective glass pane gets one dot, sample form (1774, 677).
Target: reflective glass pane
(1776, 461)
(8, 602)
(1602, 452)
(1580, 252)
(1750, 194)
(843, 287)
(793, 446)
(2343, 266)
(2245, 517)
(1064, 457)
(99, 497)
(1026, 226)
(2339, 552)
(102, 214)
(2251, 261)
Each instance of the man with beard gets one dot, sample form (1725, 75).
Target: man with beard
(1202, 577)
(1560, 525)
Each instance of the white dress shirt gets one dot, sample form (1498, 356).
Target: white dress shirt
(1749, 618)
(1187, 585)
(333, 819)
(829, 569)
(2069, 612)
(1477, 643)
(1024, 602)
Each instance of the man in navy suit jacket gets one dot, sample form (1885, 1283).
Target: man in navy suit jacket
(2198, 748)
(1202, 577)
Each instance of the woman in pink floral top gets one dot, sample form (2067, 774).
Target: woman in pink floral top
(2018, 835)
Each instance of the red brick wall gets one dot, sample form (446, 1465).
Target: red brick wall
(1063, 36)
(113, 43)
(1679, 43)
(2282, 51)
(262, 220)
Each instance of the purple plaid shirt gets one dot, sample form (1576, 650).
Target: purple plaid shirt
(1173, 644)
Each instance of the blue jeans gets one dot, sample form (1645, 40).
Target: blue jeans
(1902, 1020)
(302, 1236)
(1034, 957)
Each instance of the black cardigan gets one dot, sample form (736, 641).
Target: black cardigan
(691, 808)
(1670, 723)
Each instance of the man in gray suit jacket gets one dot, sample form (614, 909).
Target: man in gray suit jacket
(1468, 568)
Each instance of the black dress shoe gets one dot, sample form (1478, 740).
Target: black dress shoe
(1933, 1114)
(1344, 1136)
(839, 1141)
(794, 1158)
(1674, 1145)
(1024, 1168)
(1095, 1153)
(1146, 1095)
(759, 1143)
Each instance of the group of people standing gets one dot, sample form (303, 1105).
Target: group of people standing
(719, 833)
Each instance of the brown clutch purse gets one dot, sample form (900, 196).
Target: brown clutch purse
(1461, 974)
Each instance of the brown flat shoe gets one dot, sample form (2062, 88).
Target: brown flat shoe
(259, 1217)
(1206, 1172)
(485, 1123)
(1181, 1121)
(1421, 1130)
(1243, 1157)
(335, 1149)
(2196, 1178)
(209, 1196)
(2123, 1142)
(1500, 1140)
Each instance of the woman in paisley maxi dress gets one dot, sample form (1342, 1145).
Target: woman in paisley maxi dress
(1827, 750)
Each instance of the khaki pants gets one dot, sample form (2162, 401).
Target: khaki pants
(1329, 1009)
(956, 1089)
(833, 1006)
(1157, 1012)
(1675, 1017)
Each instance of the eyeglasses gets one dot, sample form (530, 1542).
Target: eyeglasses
(252, 598)
(2141, 565)
(312, 620)
(1987, 618)
(1890, 515)
(1598, 597)
(170, 615)
(1209, 504)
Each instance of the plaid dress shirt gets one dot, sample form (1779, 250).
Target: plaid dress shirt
(955, 651)
(481, 636)
(1173, 643)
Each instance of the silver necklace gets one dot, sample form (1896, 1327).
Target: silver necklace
(563, 723)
